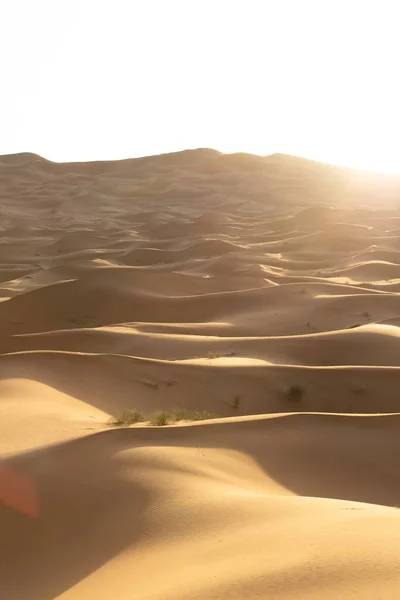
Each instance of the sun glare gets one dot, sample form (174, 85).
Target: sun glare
(85, 80)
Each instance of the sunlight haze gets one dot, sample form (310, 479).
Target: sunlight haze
(89, 80)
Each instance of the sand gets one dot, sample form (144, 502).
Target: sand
(204, 282)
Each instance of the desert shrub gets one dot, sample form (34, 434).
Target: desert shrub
(164, 417)
(201, 415)
(236, 402)
(295, 393)
(160, 418)
(128, 417)
(180, 414)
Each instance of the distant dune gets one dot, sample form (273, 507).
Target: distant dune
(256, 301)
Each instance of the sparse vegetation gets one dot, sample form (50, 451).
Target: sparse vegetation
(180, 414)
(295, 393)
(160, 418)
(213, 355)
(202, 415)
(366, 314)
(128, 417)
(236, 402)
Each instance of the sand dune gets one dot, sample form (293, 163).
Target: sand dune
(202, 282)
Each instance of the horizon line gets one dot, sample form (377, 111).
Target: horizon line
(347, 167)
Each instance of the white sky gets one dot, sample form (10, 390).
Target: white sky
(107, 79)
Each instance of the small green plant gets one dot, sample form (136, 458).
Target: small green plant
(295, 393)
(128, 417)
(202, 415)
(180, 414)
(236, 402)
(160, 419)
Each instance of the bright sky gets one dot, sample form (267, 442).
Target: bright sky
(108, 79)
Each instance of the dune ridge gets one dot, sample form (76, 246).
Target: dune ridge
(203, 282)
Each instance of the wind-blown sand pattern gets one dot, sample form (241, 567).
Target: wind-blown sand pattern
(198, 281)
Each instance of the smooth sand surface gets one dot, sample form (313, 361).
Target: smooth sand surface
(204, 282)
